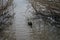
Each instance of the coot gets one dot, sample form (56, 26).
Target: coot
(30, 24)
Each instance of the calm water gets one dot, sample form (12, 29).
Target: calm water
(40, 31)
(22, 30)
(19, 30)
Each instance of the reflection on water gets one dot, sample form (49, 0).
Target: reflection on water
(6, 30)
(6, 21)
(42, 29)
(19, 30)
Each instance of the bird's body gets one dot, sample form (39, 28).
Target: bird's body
(30, 24)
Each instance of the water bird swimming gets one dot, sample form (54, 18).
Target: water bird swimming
(30, 24)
